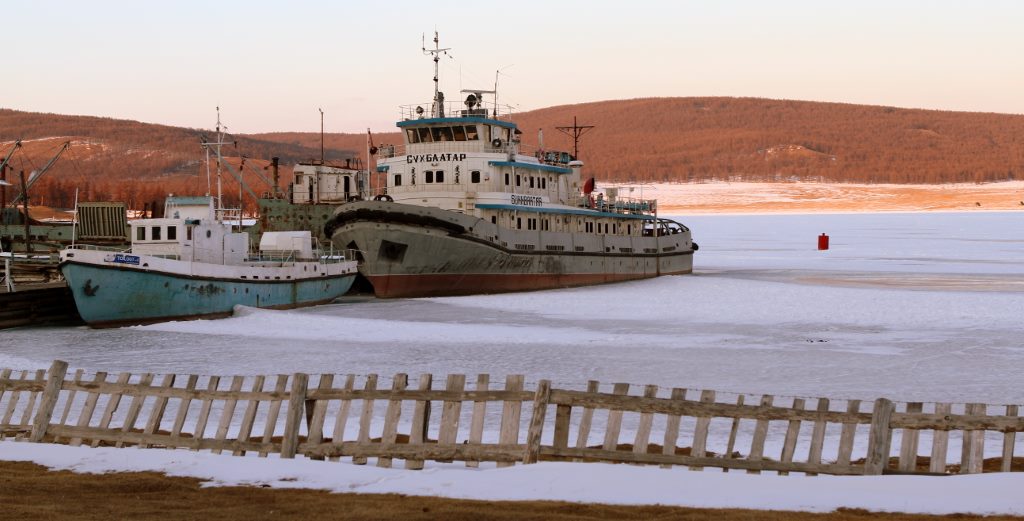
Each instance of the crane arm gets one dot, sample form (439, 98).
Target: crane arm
(41, 171)
(17, 145)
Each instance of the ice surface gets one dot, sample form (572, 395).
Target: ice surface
(908, 306)
(914, 307)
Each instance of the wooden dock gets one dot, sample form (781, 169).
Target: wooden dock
(504, 422)
(37, 304)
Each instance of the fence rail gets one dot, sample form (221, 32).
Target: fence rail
(360, 417)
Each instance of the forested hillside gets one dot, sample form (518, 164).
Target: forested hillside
(704, 139)
(653, 139)
(112, 159)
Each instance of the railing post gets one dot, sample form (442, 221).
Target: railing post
(533, 435)
(879, 438)
(293, 420)
(54, 382)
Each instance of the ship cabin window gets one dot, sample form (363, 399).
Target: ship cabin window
(474, 176)
(518, 180)
(519, 223)
(442, 134)
(398, 179)
(544, 183)
(188, 233)
(154, 233)
(172, 233)
(499, 133)
(439, 176)
(545, 225)
(590, 227)
(506, 179)
(531, 181)
(140, 233)
(629, 229)
(494, 219)
(428, 176)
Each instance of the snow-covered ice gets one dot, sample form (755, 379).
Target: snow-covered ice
(913, 307)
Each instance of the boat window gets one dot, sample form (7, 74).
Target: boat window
(140, 233)
(442, 134)
(471, 134)
(499, 133)
(428, 176)
(411, 135)
(424, 135)
(494, 219)
(544, 183)
(531, 181)
(188, 233)
(518, 180)
(398, 179)
(172, 233)
(519, 223)
(460, 132)
(474, 176)
(440, 176)
(506, 179)
(154, 233)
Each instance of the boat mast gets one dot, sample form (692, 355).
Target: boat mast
(207, 145)
(438, 109)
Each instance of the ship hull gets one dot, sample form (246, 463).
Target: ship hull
(109, 296)
(413, 251)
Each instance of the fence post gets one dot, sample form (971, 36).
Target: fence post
(879, 438)
(58, 369)
(540, 407)
(293, 420)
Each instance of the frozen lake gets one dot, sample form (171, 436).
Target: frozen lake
(916, 306)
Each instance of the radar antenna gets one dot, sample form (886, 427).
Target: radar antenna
(438, 109)
(575, 132)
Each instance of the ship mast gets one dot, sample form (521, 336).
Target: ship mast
(438, 108)
(207, 145)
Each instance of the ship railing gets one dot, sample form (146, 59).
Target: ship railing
(330, 255)
(619, 205)
(97, 247)
(455, 109)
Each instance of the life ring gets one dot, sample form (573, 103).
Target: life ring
(496, 143)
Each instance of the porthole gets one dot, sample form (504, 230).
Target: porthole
(208, 234)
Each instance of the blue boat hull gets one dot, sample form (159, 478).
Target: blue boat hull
(108, 296)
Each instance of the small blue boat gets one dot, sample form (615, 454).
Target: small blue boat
(191, 265)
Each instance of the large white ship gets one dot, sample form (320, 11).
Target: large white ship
(468, 208)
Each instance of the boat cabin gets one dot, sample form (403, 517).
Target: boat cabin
(317, 182)
(189, 231)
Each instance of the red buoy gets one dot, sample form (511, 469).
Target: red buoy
(823, 242)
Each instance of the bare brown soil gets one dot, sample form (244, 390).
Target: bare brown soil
(30, 491)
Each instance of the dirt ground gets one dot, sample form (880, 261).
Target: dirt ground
(29, 491)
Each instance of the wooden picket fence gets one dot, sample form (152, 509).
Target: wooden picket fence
(291, 415)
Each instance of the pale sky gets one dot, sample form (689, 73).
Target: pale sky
(271, 65)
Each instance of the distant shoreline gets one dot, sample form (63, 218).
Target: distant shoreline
(802, 198)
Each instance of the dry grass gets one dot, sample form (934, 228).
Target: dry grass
(29, 491)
